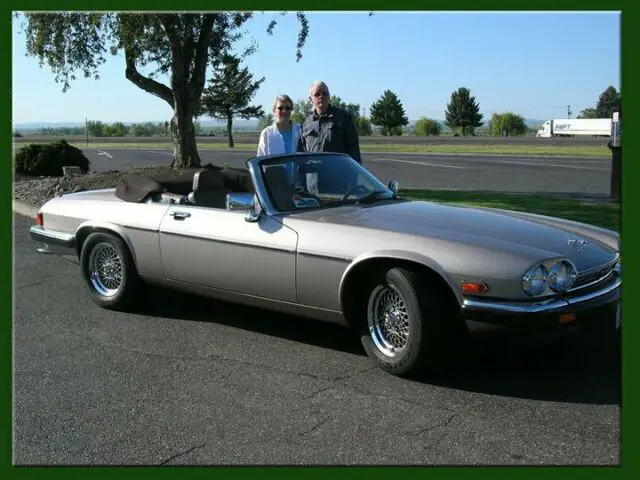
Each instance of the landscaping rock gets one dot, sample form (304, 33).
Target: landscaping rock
(38, 190)
(71, 171)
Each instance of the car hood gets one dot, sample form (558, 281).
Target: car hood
(535, 238)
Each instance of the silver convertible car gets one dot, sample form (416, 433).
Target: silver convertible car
(317, 235)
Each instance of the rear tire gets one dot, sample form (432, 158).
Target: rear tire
(108, 271)
(406, 322)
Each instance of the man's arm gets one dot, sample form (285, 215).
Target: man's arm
(352, 142)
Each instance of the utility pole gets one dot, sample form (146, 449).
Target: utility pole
(86, 132)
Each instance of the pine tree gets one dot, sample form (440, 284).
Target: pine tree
(608, 102)
(229, 93)
(388, 113)
(463, 112)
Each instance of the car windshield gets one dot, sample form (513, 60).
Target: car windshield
(308, 181)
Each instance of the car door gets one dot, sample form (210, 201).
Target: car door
(218, 248)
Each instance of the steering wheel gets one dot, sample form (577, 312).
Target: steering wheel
(353, 190)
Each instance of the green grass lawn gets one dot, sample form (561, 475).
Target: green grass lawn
(577, 151)
(602, 214)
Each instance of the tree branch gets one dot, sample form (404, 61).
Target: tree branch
(196, 85)
(147, 84)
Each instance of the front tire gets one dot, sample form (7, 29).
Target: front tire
(109, 271)
(406, 323)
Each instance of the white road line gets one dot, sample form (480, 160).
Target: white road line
(170, 154)
(425, 164)
(483, 164)
(580, 168)
(540, 164)
(100, 152)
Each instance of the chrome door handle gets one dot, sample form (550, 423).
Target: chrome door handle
(180, 215)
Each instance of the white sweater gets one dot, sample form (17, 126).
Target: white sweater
(271, 142)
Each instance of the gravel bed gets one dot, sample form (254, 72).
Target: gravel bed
(38, 190)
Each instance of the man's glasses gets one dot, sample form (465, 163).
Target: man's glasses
(321, 94)
(287, 108)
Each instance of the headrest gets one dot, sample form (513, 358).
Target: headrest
(238, 179)
(208, 179)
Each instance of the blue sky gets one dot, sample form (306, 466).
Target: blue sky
(531, 63)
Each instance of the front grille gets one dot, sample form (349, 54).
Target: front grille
(593, 277)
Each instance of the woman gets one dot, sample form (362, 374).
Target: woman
(284, 136)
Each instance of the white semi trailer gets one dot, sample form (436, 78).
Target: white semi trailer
(579, 126)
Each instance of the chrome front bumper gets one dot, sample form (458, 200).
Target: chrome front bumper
(545, 312)
(52, 241)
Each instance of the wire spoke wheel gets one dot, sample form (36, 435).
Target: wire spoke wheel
(106, 270)
(388, 320)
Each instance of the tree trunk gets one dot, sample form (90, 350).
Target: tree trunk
(230, 129)
(183, 136)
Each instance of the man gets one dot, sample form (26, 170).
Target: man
(329, 128)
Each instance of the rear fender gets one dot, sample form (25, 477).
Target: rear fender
(85, 228)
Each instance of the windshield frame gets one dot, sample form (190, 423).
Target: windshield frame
(256, 166)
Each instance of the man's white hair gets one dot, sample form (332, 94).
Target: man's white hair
(316, 84)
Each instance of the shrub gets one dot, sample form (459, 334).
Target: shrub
(427, 126)
(48, 159)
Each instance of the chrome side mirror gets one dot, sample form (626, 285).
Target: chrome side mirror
(394, 186)
(255, 211)
(252, 215)
(245, 202)
(239, 201)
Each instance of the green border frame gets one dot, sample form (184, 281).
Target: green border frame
(629, 18)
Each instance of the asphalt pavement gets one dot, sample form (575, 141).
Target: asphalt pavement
(549, 175)
(186, 380)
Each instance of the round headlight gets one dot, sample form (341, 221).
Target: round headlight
(534, 281)
(562, 275)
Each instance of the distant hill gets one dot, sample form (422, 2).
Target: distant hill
(205, 123)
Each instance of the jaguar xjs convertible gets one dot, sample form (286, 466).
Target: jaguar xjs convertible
(317, 235)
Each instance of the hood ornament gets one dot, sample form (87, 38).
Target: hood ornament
(577, 244)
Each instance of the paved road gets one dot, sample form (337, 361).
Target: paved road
(192, 381)
(406, 140)
(583, 176)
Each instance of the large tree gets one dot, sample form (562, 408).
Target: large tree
(301, 109)
(463, 112)
(588, 112)
(608, 102)
(180, 45)
(352, 108)
(229, 93)
(388, 113)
